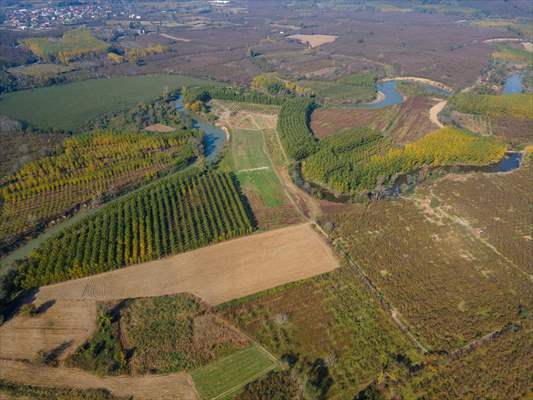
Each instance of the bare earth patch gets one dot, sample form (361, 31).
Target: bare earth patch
(61, 326)
(216, 274)
(159, 128)
(153, 387)
(313, 40)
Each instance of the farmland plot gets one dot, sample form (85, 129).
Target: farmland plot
(449, 286)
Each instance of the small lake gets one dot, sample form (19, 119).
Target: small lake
(513, 84)
(214, 138)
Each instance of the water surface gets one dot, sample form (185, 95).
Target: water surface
(513, 84)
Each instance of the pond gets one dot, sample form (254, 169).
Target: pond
(214, 138)
(513, 84)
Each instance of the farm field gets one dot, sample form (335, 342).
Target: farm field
(448, 285)
(147, 387)
(243, 266)
(40, 70)
(350, 89)
(173, 215)
(313, 40)
(329, 323)
(88, 167)
(403, 123)
(79, 102)
(228, 374)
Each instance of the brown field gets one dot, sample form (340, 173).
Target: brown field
(147, 387)
(404, 123)
(313, 40)
(449, 285)
(60, 325)
(159, 128)
(216, 274)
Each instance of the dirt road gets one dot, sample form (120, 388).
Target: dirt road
(434, 113)
(216, 274)
(153, 387)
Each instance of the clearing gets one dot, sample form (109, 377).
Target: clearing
(216, 274)
(159, 128)
(147, 387)
(313, 40)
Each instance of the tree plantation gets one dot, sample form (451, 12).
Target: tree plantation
(175, 215)
(89, 167)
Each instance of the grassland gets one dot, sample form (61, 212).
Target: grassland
(68, 107)
(73, 44)
(449, 285)
(508, 53)
(39, 70)
(232, 372)
(513, 105)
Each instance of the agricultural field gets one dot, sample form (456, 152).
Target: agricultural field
(72, 45)
(40, 70)
(228, 374)
(280, 256)
(328, 328)
(449, 286)
(313, 40)
(404, 123)
(89, 167)
(79, 102)
(20, 148)
(497, 369)
(174, 215)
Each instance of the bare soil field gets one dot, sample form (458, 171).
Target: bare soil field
(148, 387)
(159, 128)
(216, 274)
(404, 123)
(314, 40)
(60, 326)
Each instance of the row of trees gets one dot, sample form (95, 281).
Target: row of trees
(173, 216)
(293, 128)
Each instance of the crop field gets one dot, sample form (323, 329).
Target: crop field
(232, 372)
(450, 286)
(147, 387)
(216, 274)
(330, 324)
(512, 105)
(495, 370)
(171, 216)
(264, 183)
(350, 89)
(73, 44)
(57, 323)
(507, 226)
(68, 107)
(403, 123)
(88, 167)
(17, 149)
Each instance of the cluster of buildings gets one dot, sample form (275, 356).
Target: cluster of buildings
(48, 17)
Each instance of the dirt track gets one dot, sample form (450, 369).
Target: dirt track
(216, 274)
(153, 387)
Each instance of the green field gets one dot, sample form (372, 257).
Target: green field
(353, 88)
(232, 372)
(267, 184)
(247, 150)
(68, 107)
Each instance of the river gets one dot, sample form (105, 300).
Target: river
(214, 138)
(513, 84)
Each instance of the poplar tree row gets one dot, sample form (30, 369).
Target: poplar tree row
(176, 215)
